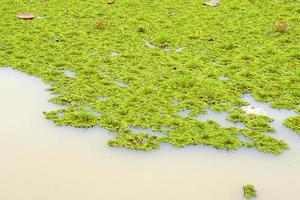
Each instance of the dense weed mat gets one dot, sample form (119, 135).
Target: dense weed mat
(136, 63)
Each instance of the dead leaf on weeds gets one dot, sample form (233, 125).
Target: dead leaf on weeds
(26, 16)
(212, 3)
(282, 27)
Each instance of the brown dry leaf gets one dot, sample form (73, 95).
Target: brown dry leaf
(212, 3)
(282, 27)
(26, 16)
(101, 22)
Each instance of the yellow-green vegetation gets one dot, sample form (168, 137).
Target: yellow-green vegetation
(249, 191)
(255, 122)
(293, 123)
(138, 63)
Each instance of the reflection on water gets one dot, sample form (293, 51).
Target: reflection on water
(40, 161)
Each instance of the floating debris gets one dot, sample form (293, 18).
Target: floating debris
(26, 16)
(100, 22)
(255, 111)
(282, 27)
(212, 3)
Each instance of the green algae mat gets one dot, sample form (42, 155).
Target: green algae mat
(128, 64)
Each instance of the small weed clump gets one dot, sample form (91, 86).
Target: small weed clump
(293, 123)
(249, 191)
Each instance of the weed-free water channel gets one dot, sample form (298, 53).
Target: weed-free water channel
(39, 160)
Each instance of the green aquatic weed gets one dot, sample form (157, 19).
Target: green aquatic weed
(103, 43)
(293, 123)
(265, 143)
(252, 121)
(249, 191)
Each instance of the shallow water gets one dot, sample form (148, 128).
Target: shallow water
(41, 161)
(69, 73)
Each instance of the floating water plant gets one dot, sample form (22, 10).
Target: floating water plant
(253, 121)
(103, 43)
(249, 191)
(293, 123)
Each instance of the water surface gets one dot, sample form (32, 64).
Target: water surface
(39, 161)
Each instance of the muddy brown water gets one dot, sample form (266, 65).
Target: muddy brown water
(40, 161)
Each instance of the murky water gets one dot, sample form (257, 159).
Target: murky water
(39, 161)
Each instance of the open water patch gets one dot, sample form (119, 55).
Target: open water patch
(69, 73)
